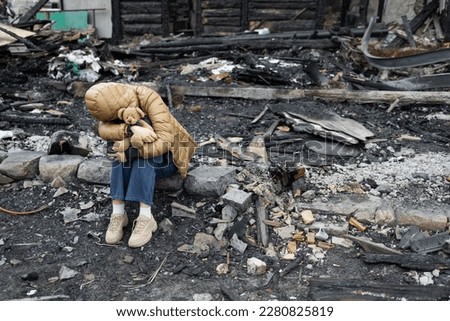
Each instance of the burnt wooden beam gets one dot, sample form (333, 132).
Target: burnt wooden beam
(32, 12)
(244, 14)
(363, 4)
(220, 4)
(140, 7)
(331, 289)
(220, 30)
(165, 17)
(273, 44)
(445, 23)
(411, 261)
(416, 22)
(222, 13)
(334, 95)
(408, 31)
(197, 8)
(294, 5)
(144, 18)
(28, 119)
(222, 21)
(141, 28)
(344, 8)
(320, 17)
(292, 265)
(381, 4)
(248, 38)
(25, 41)
(312, 70)
(116, 22)
(280, 14)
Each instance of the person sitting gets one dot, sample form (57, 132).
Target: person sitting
(166, 150)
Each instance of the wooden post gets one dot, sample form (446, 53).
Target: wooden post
(197, 7)
(320, 14)
(380, 10)
(363, 11)
(408, 31)
(32, 12)
(244, 15)
(165, 17)
(116, 23)
(445, 23)
(344, 9)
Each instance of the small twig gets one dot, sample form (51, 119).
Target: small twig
(393, 105)
(87, 283)
(207, 142)
(261, 114)
(291, 266)
(27, 244)
(104, 244)
(46, 298)
(299, 14)
(239, 115)
(270, 130)
(153, 276)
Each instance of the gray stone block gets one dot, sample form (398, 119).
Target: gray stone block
(5, 179)
(21, 165)
(66, 166)
(210, 181)
(3, 155)
(431, 218)
(95, 171)
(238, 199)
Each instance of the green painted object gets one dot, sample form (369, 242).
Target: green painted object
(66, 20)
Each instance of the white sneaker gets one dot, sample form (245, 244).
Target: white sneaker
(142, 231)
(114, 233)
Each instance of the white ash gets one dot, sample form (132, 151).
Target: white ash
(37, 143)
(397, 172)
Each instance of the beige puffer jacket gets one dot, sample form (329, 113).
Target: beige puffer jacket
(104, 100)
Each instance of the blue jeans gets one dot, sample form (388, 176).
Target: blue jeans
(135, 180)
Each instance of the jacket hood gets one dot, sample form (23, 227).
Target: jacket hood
(104, 100)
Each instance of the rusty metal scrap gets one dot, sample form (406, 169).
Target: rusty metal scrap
(418, 59)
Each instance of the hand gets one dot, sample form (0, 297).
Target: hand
(121, 145)
(147, 135)
(117, 156)
(120, 157)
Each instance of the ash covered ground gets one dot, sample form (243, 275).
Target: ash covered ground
(34, 249)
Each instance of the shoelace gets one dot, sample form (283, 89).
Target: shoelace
(115, 223)
(139, 226)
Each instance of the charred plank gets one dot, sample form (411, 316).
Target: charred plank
(14, 118)
(412, 261)
(416, 22)
(332, 289)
